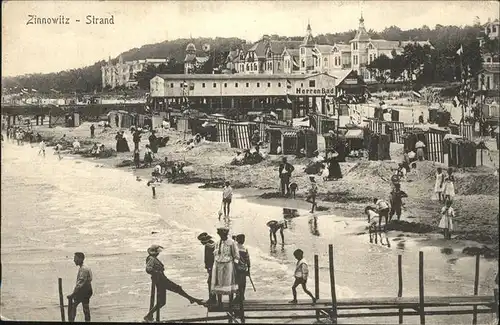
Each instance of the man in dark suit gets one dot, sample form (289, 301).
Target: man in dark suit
(285, 172)
(206, 240)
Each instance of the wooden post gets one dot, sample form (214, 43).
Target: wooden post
(316, 281)
(61, 300)
(421, 287)
(495, 293)
(332, 285)
(152, 297)
(158, 310)
(70, 308)
(400, 287)
(476, 286)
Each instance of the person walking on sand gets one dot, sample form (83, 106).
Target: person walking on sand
(42, 148)
(312, 192)
(242, 268)
(136, 138)
(285, 172)
(382, 210)
(209, 245)
(301, 274)
(92, 129)
(419, 146)
(446, 222)
(227, 196)
(148, 157)
(156, 269)
(223, 273)
(396, 201)
(83, 289)
(274, 226)
(449, 186)
(137, 158)
(439, 184)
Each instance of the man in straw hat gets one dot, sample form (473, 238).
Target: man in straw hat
(207, 241)
(312, 191)
(156, 268)
(223, 274)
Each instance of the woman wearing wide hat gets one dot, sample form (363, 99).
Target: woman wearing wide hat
(224, 274)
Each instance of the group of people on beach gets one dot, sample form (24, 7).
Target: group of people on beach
(444, 189)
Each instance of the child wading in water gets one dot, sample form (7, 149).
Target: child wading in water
(372, 222)
(439, 184)
(227, 196)
(312, 191)
(154, 182)
(301, 274)
(446, 222)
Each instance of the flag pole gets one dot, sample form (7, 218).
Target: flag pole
(462, 81)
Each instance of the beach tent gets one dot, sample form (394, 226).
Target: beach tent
(240, 135)
(222, 125)
(355, 139)
(378, 147)
(461, 153)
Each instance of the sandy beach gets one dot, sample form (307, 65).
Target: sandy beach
(476, 188)
(112, 217)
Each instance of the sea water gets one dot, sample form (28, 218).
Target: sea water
(52, 208)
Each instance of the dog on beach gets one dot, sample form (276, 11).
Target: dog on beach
(293, 189)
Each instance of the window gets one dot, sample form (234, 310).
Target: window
(180, 85)
(215, 85)
(312, 83)
(225, 85)
(279, 84)
(268, 84)
(494, 29)
(248, 67)
(279, 65)
(203, 85)
(235, 85)
(255, 66)
(303, 64)
(302, 51)
(488, 59)
(247, 84)
(171, 85)
(301, 85)
(258, 84)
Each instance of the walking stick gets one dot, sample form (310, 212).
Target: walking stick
(251, 282)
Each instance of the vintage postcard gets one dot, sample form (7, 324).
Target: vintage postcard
(250, 161)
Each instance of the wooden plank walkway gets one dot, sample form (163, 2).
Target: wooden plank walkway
(358, 303)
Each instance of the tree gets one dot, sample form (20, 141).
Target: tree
(380, 66)
(143, 77)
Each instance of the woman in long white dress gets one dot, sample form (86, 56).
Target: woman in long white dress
(449, 186)
(226, 254)
(446, 222)
(438, 186)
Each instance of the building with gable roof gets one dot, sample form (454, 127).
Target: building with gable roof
(123, 73)
(192, 61)
(489, 77)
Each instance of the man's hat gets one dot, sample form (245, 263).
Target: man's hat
(202, 235)
(154, 249)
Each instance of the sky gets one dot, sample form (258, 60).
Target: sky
(41, 48)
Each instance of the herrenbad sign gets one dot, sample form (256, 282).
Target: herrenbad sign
(315, 91)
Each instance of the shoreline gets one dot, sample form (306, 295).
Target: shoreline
(209, 165)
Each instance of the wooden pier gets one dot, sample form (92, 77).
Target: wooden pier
(332, 309)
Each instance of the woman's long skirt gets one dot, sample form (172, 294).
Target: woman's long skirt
(224, 279)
